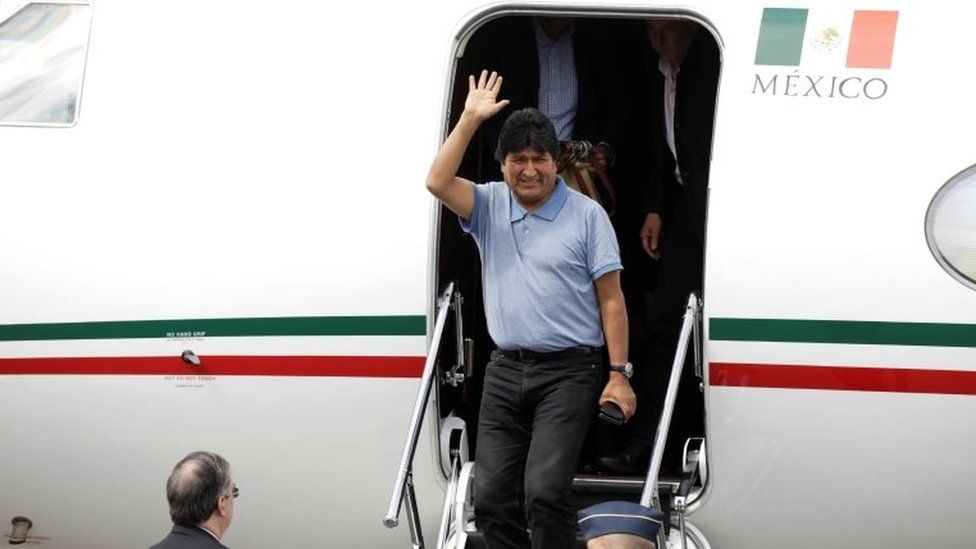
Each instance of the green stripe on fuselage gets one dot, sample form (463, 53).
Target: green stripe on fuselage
(843, 331)
(220, 327)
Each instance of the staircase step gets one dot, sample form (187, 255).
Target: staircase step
(590, 490)
(618, 485)
(477, 541)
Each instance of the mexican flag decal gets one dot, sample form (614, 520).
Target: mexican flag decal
(864, 39)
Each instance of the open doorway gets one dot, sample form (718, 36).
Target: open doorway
(616, 97)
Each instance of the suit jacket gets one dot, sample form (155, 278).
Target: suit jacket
(694, 116)
(188, 537)
(508, 46)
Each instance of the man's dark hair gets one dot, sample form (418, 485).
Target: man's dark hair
(527, 128)
(195, 486)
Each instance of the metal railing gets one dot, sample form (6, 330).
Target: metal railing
(689, 328)
(403, 486)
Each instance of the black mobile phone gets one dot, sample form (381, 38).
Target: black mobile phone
(612, 414)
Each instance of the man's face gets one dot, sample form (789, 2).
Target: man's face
(531, 175)
(671, 38)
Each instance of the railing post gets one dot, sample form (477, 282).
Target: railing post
(452, 486)
(404, 477)
(413, 516)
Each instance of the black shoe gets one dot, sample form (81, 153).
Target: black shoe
(631, 462)
(589, 467)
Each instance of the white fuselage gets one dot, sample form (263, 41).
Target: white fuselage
(246, 182)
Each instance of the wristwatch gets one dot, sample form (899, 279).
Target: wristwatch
(627, 369)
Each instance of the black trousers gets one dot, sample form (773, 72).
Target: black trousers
(534, 418)
(680, 273)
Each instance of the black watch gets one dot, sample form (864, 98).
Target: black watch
(627, 369)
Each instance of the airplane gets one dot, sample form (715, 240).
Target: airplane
(215, 236)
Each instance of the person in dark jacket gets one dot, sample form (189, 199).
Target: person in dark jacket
(675, 100)
(201, 496)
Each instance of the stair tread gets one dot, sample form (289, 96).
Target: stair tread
(617, 484)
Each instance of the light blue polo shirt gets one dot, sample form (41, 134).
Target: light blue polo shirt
(538, 268)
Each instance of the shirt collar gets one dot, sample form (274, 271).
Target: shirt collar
(207, 530)
(666, 70)
(187, 529)
(548, 211)
(542, 39)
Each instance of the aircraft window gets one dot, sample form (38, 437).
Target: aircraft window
(950, 227)
(42, 62)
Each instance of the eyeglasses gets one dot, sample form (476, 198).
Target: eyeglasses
(233, 493)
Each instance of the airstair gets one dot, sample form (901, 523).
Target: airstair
(457, 529)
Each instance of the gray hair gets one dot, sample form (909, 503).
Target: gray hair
(195, 486)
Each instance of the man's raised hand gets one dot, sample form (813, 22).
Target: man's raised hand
(482, 101)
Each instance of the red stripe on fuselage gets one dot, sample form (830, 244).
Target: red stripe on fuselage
(842, 378)
(320, 366)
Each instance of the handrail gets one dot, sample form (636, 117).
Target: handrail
(650, 493)
(405, 471)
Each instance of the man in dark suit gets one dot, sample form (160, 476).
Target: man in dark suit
(564, 67)
(201, 498)
(675, 99)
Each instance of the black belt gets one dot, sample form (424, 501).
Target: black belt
(525, 354)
